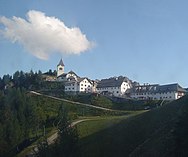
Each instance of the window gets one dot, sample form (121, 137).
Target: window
(73, 88)
(117, 92)
(60, 68)
(81, 84)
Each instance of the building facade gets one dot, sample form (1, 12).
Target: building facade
(118, 86)
(81, 85)
(115, 86)
(73, 82)
(157, 92)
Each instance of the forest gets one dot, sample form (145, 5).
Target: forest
(23, 118)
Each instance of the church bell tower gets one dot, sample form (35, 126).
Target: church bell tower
(60, 68)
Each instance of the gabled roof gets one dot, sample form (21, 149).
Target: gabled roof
(112, 82)
(81, 79)
(61, 63)
(158, 88)
(145, 88)
(76, 81)
(72, 72)
(62, 75)
(170, 87)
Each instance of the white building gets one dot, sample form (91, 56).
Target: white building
(79, 85)
(116, 86)
(157, 92)
(74, 83)
(60, 68)
(68, 76)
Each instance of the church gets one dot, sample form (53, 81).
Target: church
(73, 82)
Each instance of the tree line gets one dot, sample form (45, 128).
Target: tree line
(20, 120)
(22, 117)
(30, 81)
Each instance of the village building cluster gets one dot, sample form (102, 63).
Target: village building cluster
(118, 86)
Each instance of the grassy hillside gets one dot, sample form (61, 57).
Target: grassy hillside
(148, 134)
(107, 102)
(50, 109)
(96, 124)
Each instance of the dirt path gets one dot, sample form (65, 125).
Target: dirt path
(52, 138)
(73, 102)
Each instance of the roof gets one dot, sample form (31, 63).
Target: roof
(171, 87)
(76, 81)
(72, 72)
(145, 88)
(81, 79)
(112, 82)
(63, 75)
(61, 63)
(158, 88)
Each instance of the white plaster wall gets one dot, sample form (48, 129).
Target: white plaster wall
(71, 75)
(60, 72)
(116, 91)
(85, 86)
(124, 87)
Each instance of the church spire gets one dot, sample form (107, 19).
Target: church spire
(60, 68)
(61, 63)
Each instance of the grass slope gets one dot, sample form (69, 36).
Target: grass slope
(107, 102)
(148, 134)
(50, 108)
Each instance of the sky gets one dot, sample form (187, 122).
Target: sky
(147, 40)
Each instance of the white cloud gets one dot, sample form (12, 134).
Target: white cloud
(42, 35)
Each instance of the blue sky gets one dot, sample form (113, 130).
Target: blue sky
(146, 40)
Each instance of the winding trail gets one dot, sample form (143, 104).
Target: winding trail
(75, 102)
(52, 138)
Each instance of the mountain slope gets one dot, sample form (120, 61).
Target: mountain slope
(148, 134)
